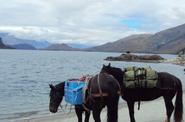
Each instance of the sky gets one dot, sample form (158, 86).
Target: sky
(90, 22)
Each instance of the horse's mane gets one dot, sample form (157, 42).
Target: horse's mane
(60, 86)
(115, 69)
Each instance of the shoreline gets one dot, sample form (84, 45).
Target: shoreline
(145, 114)
(147, 58)
(177, 61)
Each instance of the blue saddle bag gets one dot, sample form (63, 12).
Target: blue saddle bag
(73, 92)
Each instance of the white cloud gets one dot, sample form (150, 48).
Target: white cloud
(87, 21)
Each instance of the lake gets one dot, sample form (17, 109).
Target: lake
(25, 75)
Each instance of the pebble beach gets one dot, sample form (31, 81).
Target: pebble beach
(152, 111)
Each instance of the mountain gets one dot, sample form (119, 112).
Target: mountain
(12, 40)
(182, 51)
(79, 46)
(24, 46)
(3, 46)
(62, 47)
(133, 43)
(171, 40)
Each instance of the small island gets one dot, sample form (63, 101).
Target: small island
(137, 58)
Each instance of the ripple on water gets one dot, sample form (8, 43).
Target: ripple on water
(17, 115)
(60, 67)
(38, 72)
(13, 73)
(24, 76)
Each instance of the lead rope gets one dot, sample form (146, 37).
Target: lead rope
(86, 98)
(61, 107)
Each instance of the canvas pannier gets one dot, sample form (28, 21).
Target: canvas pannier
(136, 77)
(73, 92)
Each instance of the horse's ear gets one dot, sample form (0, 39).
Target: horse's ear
(103, 65)
(52, 87)
(109, 65)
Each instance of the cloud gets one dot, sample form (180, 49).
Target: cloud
(88, 21)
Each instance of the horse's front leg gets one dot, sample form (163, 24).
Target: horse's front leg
(131, 110)
(87, 115)
(79, 111)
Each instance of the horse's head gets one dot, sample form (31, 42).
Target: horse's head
(56, 96)
(116, 72)
(108, 69)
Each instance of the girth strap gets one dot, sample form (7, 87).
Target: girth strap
(99, 87)
(99, 94)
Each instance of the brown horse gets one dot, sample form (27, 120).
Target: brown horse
(169, 87)
(103, 90)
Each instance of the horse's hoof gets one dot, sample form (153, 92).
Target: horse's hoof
(166, 120)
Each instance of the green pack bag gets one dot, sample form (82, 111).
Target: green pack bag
(137, 77)
(130, 73)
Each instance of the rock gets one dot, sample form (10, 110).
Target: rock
(137, 58)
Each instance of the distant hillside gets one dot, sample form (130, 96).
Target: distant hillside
(79, 46)
(12, 40)
(133, 43)
(167, 41)
(171, 40)
(62, 47)
(24, 46)
(182, 51)
(3, 46)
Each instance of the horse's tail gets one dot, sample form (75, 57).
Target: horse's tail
(178, 114)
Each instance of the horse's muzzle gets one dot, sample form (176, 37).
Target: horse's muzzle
(53, 109)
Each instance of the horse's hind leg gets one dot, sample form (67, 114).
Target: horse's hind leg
(169, 108)
(79, 111)
(131, 110)
(87, 115)
(96, 114)
(112, 109)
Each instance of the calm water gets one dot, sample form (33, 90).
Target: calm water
(25, 75)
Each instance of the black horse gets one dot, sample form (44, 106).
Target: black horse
(169, 86)
(103, 90)
(56, 97)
